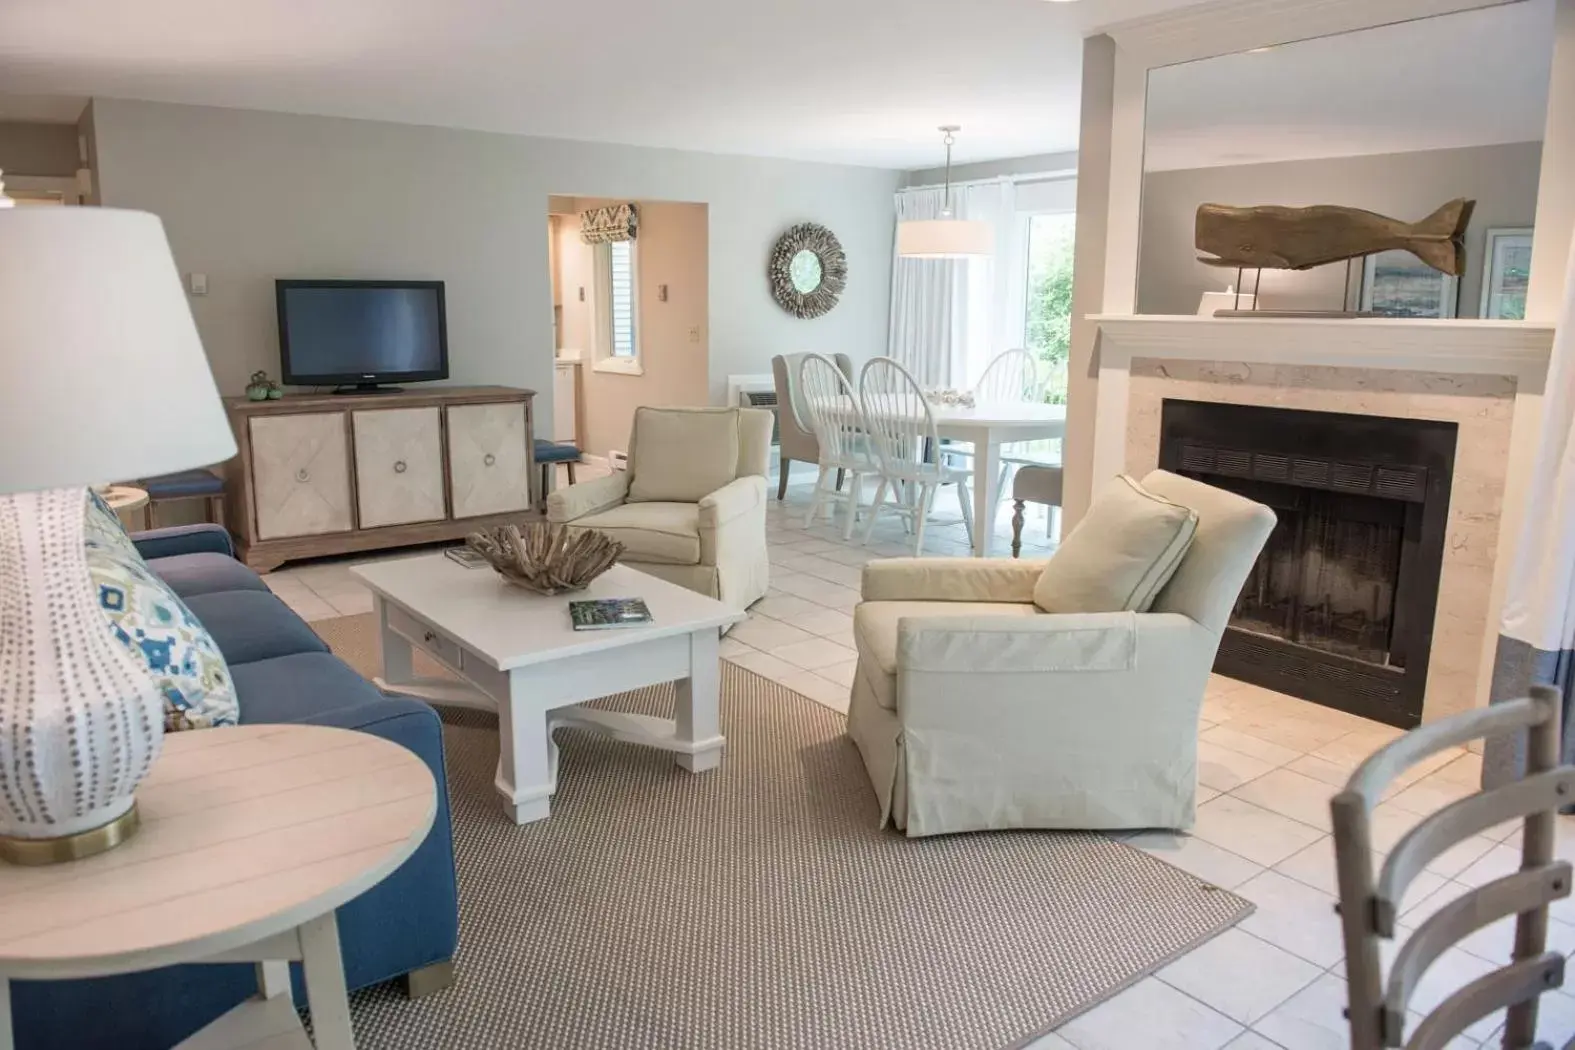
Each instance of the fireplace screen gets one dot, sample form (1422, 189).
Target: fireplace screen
(1328, 577)
(1339, 607)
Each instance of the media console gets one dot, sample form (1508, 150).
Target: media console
(318, 474)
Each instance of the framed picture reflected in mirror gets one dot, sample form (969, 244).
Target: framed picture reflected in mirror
(1506, 273)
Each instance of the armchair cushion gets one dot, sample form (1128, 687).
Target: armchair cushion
(877, 625)
(951, 580)
(1121, 554)
(588, 497)
(661, 533)
(682, 455)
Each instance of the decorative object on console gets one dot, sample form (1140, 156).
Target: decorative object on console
(547, 559)
(808, 270)
(620, 222)
(1506, 273)
(261, 388)
(92, 313)
(5, 202)
(1230, 299)
(949, 396)
(946, 236)
(1271, 237)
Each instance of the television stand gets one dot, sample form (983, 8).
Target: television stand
(358, 389)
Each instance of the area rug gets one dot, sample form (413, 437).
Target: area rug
(759, 905)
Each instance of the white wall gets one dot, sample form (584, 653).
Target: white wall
(248, 197)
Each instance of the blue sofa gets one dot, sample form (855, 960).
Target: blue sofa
(283, 673)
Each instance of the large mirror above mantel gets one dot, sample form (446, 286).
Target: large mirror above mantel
(1397, 120)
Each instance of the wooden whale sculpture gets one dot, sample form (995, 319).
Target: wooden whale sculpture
(1270, 237)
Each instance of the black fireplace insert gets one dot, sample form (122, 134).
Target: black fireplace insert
(1339, 606)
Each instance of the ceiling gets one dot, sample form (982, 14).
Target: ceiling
(850, 81)
(847, 81)
(1469, 79)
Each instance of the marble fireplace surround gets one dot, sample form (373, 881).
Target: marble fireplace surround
(1485, 376)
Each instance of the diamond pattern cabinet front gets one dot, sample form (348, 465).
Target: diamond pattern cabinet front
(398, 466)
(489, 457)
(300, 474)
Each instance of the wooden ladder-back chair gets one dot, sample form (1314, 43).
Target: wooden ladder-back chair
(1369, 901)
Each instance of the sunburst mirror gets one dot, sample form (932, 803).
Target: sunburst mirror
(808, 270)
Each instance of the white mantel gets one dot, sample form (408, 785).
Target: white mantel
(1517, 349)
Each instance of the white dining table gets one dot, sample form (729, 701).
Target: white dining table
(988, 427)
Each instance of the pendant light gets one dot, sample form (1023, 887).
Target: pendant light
(945, 237)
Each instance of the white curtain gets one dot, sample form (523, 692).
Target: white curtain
(1537, 633)
(949, 317)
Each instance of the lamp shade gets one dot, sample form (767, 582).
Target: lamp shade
(102, 376)
(944, 238)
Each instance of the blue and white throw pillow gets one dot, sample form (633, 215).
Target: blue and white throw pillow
(150, 619)
(104, 530)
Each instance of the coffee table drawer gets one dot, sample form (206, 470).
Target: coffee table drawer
(428, 639)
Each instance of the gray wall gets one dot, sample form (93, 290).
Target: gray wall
(1034, 164)
(38, 149)
(1502, 180)
(250, 196)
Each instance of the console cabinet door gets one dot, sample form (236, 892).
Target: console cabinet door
(398, 466)
(489, 458)
(300, 475)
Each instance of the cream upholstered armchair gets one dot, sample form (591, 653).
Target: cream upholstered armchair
(691, 508)
(985, 699)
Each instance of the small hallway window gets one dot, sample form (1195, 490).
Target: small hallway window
(617, 311)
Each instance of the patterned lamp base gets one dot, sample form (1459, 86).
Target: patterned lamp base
(81, 721)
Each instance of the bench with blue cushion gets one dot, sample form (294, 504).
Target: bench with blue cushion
(283, 673)
(549, 454)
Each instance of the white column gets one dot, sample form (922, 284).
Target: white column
(1088, 284)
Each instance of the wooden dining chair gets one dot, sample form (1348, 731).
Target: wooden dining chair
(1013, 376)
(1370, 901)
(843, 442)
(908, 449)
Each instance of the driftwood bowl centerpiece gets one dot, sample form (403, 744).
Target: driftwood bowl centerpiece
(547, 559)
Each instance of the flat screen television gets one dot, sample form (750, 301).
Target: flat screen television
(361, 334)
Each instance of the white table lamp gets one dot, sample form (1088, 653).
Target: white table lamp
(102, 377)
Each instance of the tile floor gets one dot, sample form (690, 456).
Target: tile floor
(1267, 766)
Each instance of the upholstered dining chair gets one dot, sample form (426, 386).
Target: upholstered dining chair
(795, 439)
(1060, 693)
(908, 449)
(1034, 484)
(691, 508)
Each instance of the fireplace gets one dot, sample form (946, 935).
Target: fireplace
(1339, 607)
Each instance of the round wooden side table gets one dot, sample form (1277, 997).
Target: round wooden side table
(123, 499)
(251, 837)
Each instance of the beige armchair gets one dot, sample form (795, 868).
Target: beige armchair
(795, 441)
(691, 508)
(974, 709)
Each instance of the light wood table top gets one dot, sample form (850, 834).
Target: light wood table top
(247, 832)
(124, 497)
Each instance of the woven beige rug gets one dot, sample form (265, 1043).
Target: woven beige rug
(759, 906)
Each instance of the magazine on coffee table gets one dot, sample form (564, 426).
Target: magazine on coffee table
(607, 613)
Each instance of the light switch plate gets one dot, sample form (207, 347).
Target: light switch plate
(197, 283)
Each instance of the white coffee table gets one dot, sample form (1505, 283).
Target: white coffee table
(251, 837)
(515, 653)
